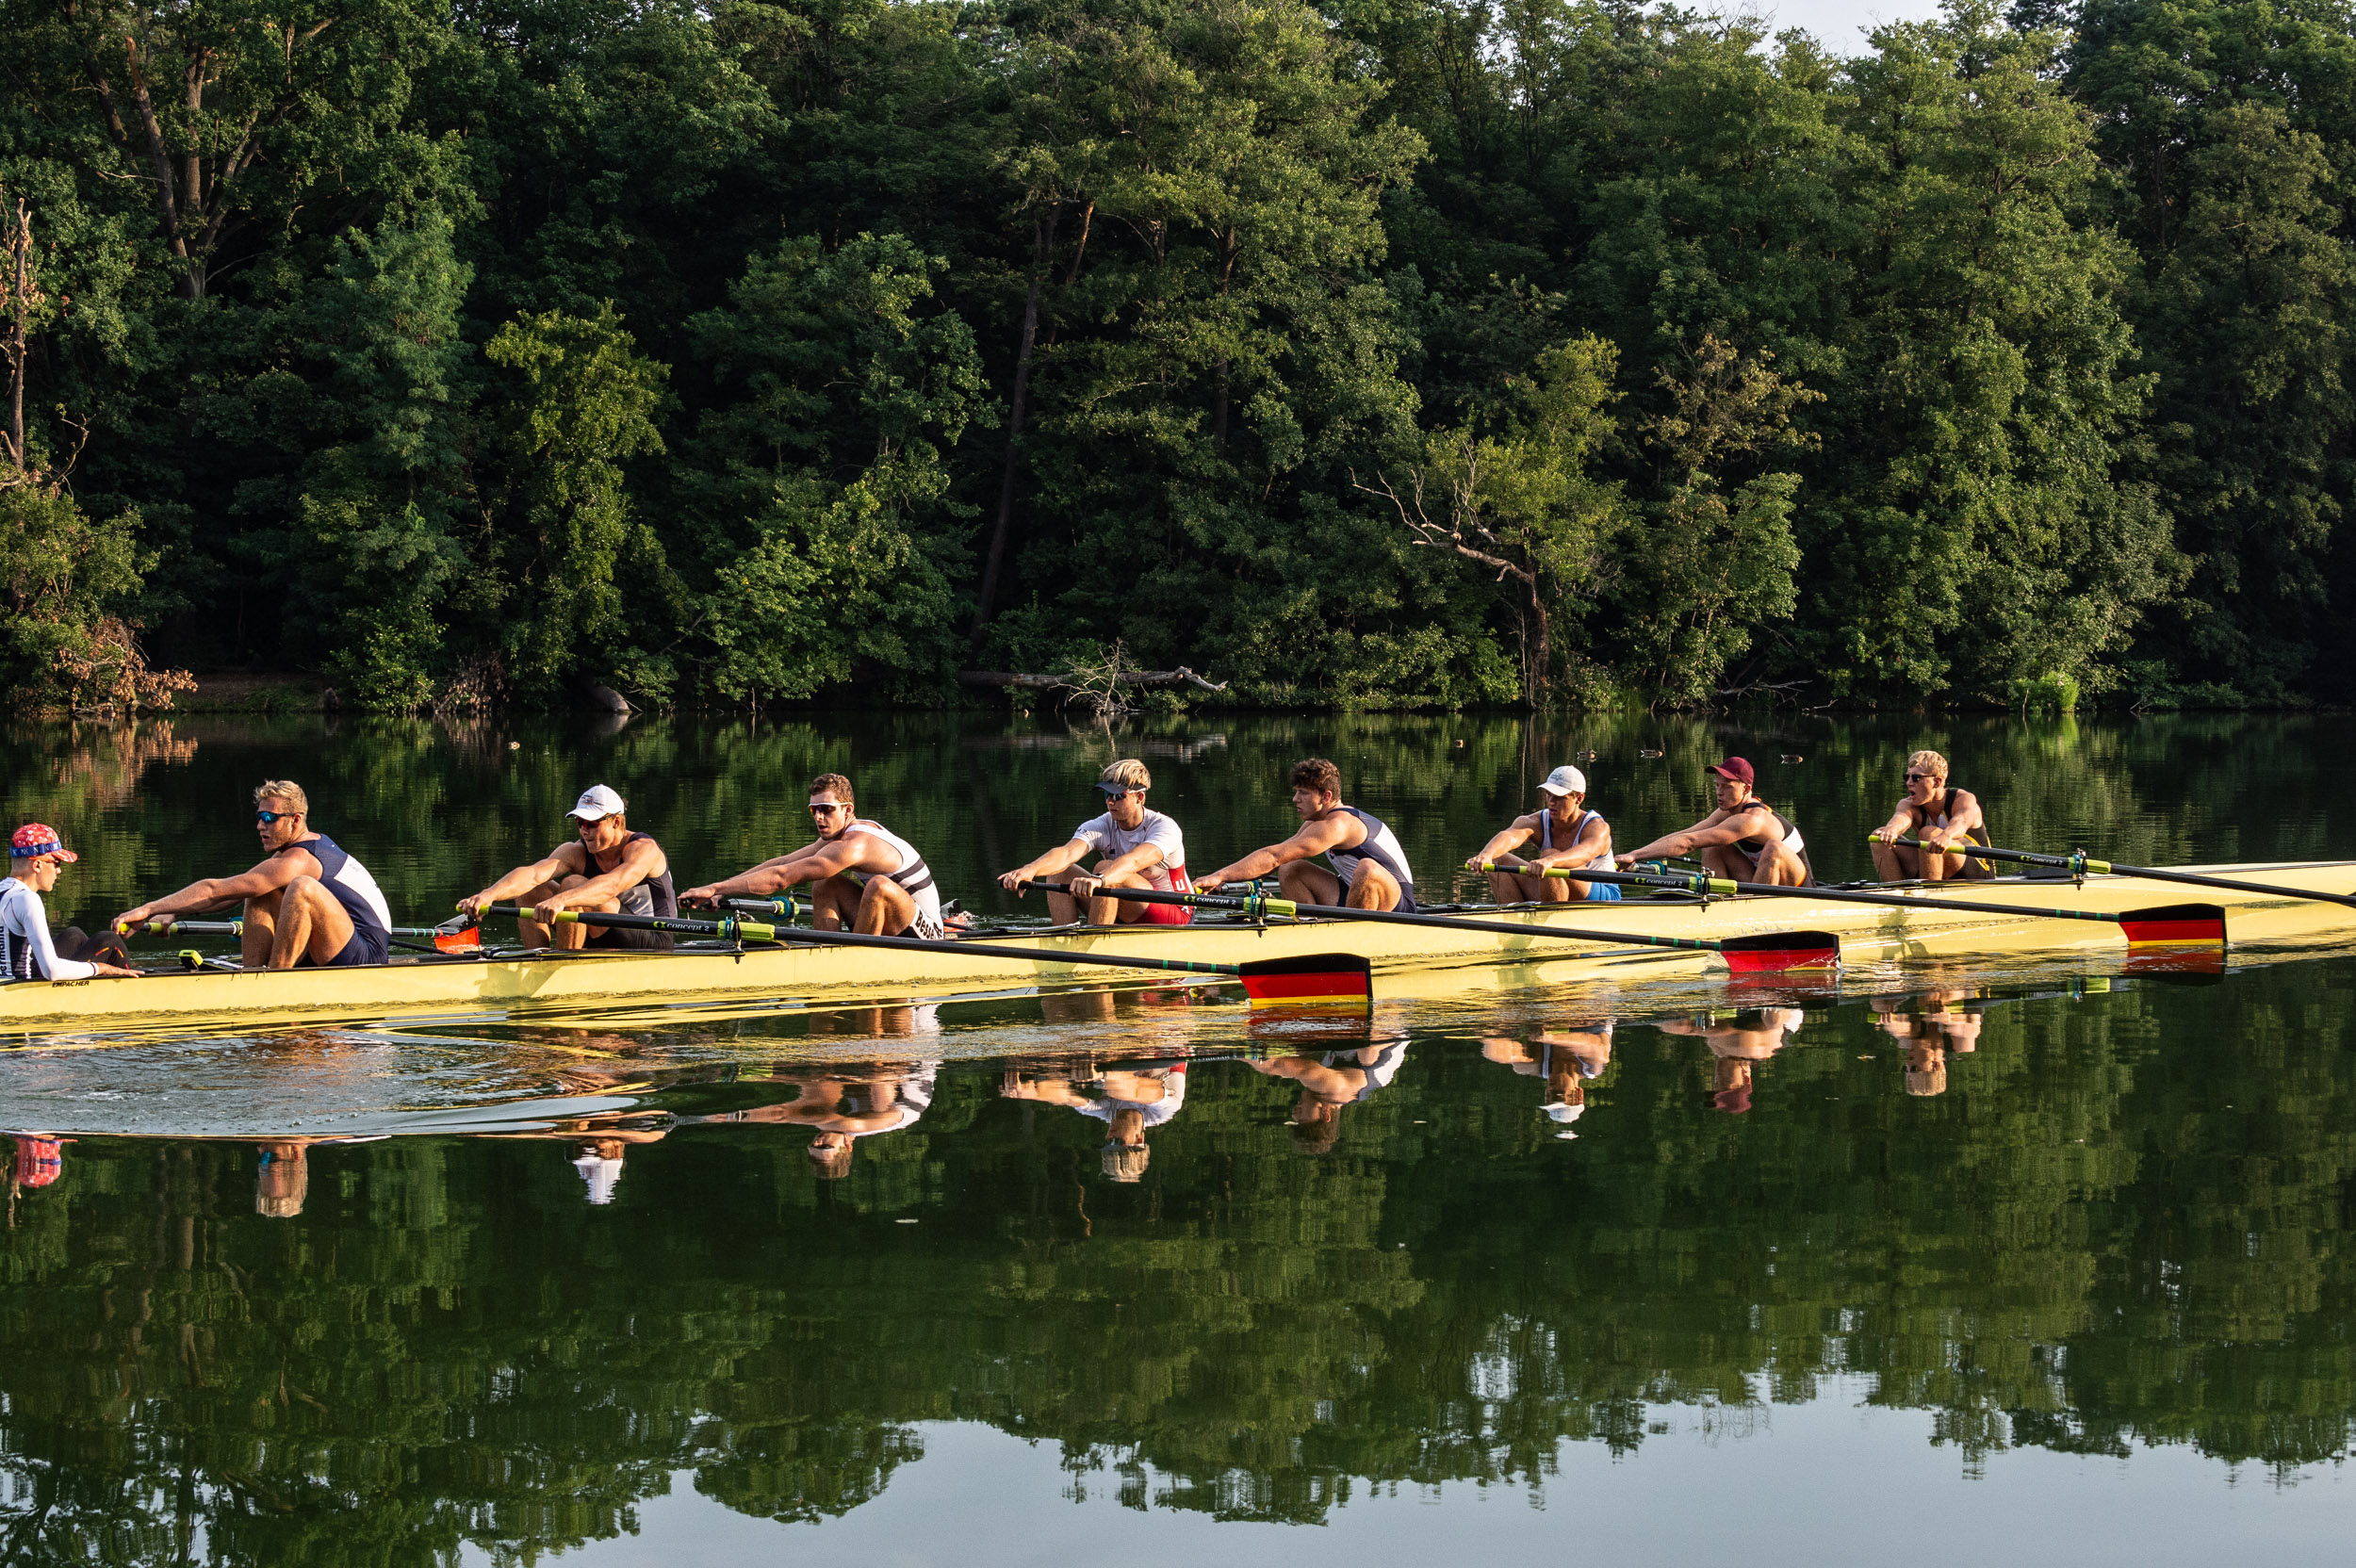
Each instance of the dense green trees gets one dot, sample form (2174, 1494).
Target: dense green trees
(943, 333)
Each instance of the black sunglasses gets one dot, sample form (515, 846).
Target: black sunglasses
(268, 817)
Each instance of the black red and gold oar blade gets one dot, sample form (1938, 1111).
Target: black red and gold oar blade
(1773, 952)
(1320, 980)
(2175, 925)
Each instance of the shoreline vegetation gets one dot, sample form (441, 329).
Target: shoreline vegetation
(1561, 355)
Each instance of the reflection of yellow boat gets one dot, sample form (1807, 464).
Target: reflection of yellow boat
(543, 985)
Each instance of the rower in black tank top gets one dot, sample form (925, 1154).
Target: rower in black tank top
(1792, 838)
(656, 895)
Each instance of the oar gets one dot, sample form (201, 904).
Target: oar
(2174, 923)
(1743, 954)
(2079, 864)
(446, 938)
(1325, 977)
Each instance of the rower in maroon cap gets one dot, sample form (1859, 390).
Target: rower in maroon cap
(1744, 839)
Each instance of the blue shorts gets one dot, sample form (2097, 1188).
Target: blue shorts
(1603, 892)
(367, 946)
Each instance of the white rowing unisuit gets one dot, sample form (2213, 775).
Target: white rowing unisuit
(27, 952)
(913, 876)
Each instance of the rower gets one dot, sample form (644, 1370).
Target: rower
(1568, 835)
(1566, 1059)
(1369, 869)
(1129, 1100)
(1937, 813)
(36, 855)
(309, 903)
(1745, 838)
(607, 869)
(1328, 1083)
(862, 875)
(1134, 848)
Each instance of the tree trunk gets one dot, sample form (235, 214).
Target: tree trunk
(1042, 243)
(1539, 659)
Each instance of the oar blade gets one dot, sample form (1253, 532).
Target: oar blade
(1319, 980)
(468, 941)
(2175, 925)
(1773, 952)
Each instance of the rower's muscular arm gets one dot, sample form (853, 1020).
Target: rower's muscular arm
(1901, 823)
(1062, 858)
(1593, 847)
(523, 879)
(1963, 815)
(1507, 840)
(812, 863)
(1719, 827)
(215, 892)
(1314, 839)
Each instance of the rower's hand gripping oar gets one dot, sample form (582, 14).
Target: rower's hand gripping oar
(2080, 864)
(1341, 978)
(1754, 954)
(2173, 926)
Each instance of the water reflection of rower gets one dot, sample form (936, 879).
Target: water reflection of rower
(841, 1107)
(1566, 1059)
(1128, 1101)
(1737, 1043)
(1930, 1025)
(1329, 1082)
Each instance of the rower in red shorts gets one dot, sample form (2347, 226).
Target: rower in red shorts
(1134, 848)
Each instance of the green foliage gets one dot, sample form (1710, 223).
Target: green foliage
(62, 573)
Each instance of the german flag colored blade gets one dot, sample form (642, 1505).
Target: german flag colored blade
(2175, 925)
(1772, 952)
(1320, 980)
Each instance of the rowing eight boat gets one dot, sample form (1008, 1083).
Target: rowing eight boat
(1999, 922)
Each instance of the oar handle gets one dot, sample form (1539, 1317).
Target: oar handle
(1695, 882)
(2080, 862)
(726, 926)
(198, 928)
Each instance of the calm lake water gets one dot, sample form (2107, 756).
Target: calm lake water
(2034, 1259)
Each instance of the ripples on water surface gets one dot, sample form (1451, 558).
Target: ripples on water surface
(2040, 1261)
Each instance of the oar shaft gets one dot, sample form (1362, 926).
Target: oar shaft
(756, 931)
(1836, 895)
(1284, 908)
(2082, 864)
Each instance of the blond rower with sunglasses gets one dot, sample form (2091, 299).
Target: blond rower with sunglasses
(862, 875)
(1936, 813)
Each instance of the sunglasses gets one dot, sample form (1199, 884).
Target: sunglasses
(827, 809)
(1912, 777)
(266, 818)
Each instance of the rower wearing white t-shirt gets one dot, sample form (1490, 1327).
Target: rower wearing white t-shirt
(36, 855)
(1130, 1100)
(1135, 848)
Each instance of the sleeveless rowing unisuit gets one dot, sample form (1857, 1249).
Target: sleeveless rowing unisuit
(1598, 893)
(1973, 870)
(1380, 845)
(351, 886)
(656, 896)
(914, 877)
(1792, 840)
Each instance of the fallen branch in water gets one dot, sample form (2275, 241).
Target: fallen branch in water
(1179, 677)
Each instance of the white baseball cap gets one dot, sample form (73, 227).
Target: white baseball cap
(600, 1174)
(1565, 1114)
(1565, 780)
(597, 801)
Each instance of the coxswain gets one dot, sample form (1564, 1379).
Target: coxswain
(1369, 869)
(608, 868)
(1745, 838)
(1568, 835)
(862, 875)
(1134, 848)
(1937, 813)
(27, 952)
(309, 903)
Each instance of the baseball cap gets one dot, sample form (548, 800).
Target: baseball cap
(39, 1161)
(37, 838)
(597, 801)
(1565, 780)
(1736, 769)
(599, 1172)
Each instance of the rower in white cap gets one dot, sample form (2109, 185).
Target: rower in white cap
(1568, 835)
(609, 869)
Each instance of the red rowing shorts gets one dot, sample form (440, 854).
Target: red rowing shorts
(1169, 914)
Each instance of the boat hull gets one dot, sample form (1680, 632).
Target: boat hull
(817, 975)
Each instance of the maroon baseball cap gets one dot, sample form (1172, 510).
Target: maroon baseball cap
(1736, 769)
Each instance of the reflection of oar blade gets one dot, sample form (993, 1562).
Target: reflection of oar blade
(1773, 951)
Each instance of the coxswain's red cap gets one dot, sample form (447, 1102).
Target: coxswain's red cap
(37, 838)
(1736, 769)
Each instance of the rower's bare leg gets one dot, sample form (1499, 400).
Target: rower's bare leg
(1507, 887)
(885, 907)
(834, 903)
(1778, 867)
(1063, 909)
(1727, 863)
(531, 933)
(261, 929)
(1106, 911)
(310, 923)
(1375, 888)
(1942, 867)
(1306, 884)
(1892, 863)
(1573, 892)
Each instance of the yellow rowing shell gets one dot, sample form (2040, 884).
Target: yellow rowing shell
(816, 975)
